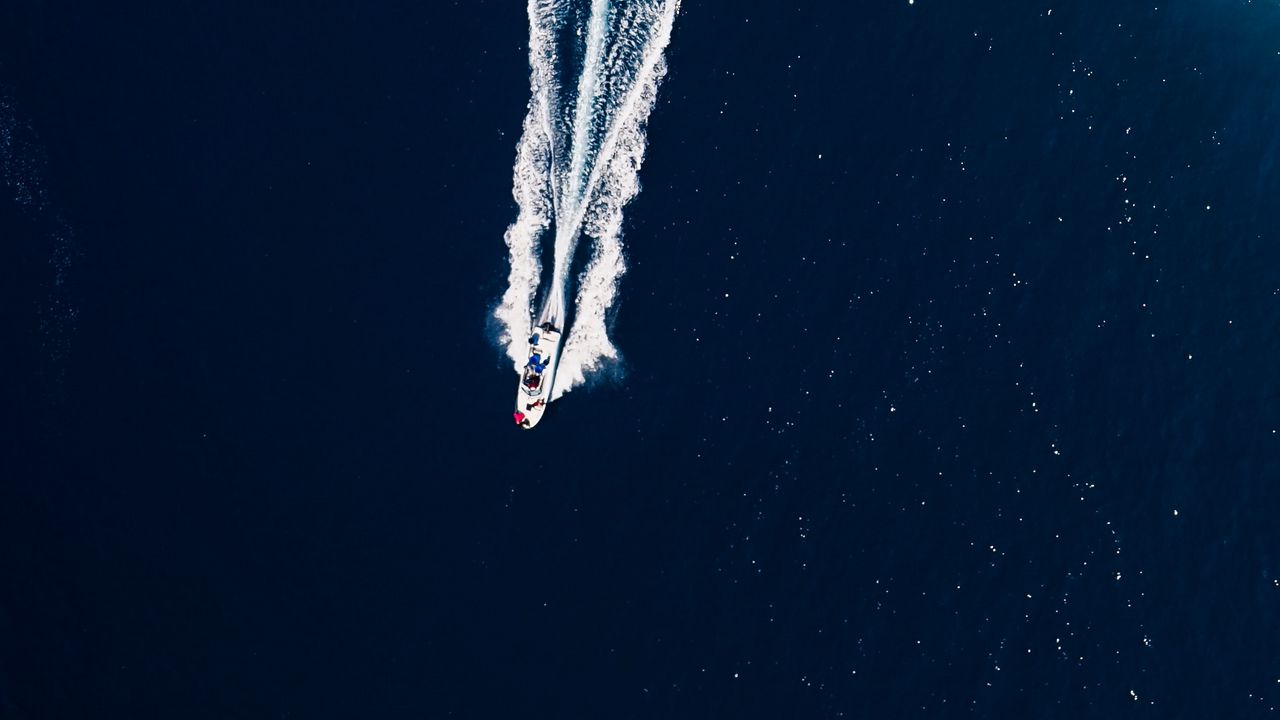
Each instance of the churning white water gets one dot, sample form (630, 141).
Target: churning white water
(577, 167)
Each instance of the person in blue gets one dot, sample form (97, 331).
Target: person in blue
(536, 363)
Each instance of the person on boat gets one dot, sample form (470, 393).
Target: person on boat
(519, 416)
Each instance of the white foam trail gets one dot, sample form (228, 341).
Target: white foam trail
(617, 174)
(535, 166)
(588, 104)
(622, 66)
(574, 196)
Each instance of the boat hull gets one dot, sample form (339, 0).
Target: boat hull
(533, 390)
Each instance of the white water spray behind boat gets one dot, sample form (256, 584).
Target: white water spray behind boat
(595, 66)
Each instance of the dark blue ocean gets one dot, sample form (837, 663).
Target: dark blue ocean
(949, 340)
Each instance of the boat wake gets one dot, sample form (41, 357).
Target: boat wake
(595, 66)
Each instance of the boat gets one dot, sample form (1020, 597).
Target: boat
(537, 380)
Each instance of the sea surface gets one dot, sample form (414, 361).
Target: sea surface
(948, 383)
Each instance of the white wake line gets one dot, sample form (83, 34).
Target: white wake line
(530, 188)
(659, 45)
(538, 41)
(588, 341)
(588, 84)
(542, 15)
(544, 11)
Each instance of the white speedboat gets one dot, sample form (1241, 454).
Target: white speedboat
(538, 376)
